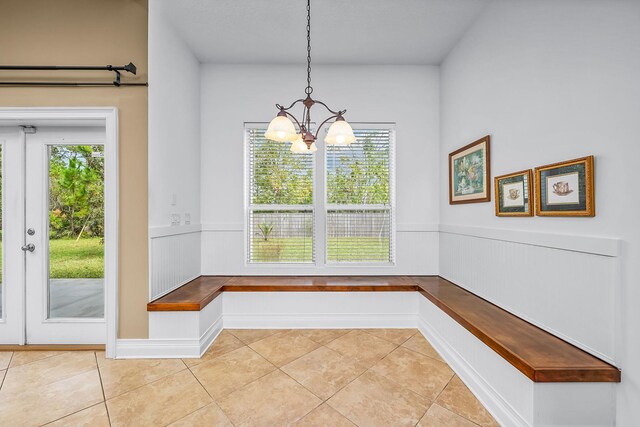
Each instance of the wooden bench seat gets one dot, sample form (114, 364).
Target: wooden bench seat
(193, 296)
(196, 294)
(539, 355)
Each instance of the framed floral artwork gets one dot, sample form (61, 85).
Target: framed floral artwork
(566, 188)
(469, 173)
(513, 194)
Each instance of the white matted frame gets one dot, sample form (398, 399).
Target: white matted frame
(64, 116)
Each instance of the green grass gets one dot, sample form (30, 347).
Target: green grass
(71, 259)
(83, 259)
(295, 249)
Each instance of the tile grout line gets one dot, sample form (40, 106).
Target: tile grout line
(426, 355)
(456, 412)
(352, 381)
(299, 357)
(6, 371)
(411, 336)
(145, 384)
(202, 360)
(208, 394)
(402, 386)
(243, 386)
(72, 413)
(280, 331)
(33, 361)
(322, 401)
(104, 397)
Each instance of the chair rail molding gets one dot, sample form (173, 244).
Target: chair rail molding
(596, 245)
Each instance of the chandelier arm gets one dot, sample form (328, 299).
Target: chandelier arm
(337, 113)
(280, 107)
(322, 124)
(294, 118)
(306, 118)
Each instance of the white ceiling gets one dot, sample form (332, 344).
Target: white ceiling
(342, 31)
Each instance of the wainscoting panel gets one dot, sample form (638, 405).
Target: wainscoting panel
(568, 292)
(174, 257)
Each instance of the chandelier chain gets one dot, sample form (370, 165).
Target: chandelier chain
(309, 89)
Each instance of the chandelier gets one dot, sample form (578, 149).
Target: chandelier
(282, 129)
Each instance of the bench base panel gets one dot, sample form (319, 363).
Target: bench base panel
(512, 398)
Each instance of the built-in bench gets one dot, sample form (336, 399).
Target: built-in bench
(488, 347)
(536, 353)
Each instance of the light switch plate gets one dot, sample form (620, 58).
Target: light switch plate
(175, 219)
(187, 218)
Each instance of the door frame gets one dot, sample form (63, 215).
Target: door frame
(68, 116)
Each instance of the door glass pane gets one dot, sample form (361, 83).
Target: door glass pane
(1, 288)
(76, 231)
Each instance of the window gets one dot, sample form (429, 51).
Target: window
(358, 202)
(359, 197)
(280, 225)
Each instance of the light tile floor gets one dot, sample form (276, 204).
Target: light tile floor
(388, 377)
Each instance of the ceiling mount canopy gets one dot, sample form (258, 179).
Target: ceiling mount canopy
(283, 129)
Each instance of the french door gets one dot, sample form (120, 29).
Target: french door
(53, 286)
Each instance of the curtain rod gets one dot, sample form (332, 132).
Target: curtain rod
(130, 68)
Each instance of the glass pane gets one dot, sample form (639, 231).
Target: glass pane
(281, 236)
(358, 174)
(278, 176)
(359, 236)
(1, 289)
(76, 231)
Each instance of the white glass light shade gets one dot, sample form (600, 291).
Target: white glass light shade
(340, 133)
(299, 147)
(281, 129)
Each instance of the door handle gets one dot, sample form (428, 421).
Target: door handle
(29, 247)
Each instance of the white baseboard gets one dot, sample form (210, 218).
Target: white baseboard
(491, 399)
(169, 347)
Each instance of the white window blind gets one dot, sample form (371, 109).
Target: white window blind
(359, 194)
(281, 215)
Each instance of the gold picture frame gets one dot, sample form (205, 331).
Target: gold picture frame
(514, 195)
(470, 173)
(566, 188)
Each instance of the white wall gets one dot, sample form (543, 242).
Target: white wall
(235, 94)
(174, 124)
(174, 156)
(551, 81)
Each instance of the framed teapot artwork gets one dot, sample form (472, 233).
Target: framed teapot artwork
(513, 194)
(566, 188)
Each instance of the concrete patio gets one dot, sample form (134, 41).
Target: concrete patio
(82, 298)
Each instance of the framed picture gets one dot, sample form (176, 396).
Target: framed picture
(513, 194)
(469, 173)
(566, 188)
